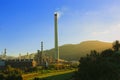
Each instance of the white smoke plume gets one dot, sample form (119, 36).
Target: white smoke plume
(60, 11)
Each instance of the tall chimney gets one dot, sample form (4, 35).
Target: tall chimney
(4, 55)
(5, 51)
(42, 46)
(56, 37)
(20, 56)
(41, 54)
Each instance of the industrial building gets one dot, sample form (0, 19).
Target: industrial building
(39, 59)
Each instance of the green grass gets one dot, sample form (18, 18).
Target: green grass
(55, 75)
(65, 76)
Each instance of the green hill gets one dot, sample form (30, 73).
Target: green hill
(75, 51)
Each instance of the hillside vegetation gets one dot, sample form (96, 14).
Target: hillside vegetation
(100, 66)
(75, 51)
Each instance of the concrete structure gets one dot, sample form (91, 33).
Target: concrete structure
(16, 63)
(2, 64)
(39, 56)
(4, 54)
(42, 47)
(56, 37)
(20, 56)
(22, 64)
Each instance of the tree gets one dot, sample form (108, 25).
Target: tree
(104, 66)
(107, 53)
(11, 74)
(116, 45)
(2, 77)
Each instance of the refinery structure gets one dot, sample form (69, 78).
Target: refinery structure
(36, 59)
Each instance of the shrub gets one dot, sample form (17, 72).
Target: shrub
(104, 66)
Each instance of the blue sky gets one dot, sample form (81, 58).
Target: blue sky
(25, 23)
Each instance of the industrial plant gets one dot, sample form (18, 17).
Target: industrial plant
(36, 59)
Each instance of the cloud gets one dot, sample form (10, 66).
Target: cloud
(101, 33)
(113, 30)
(61, 11)
(111, 11)
(103, 23)
(59, 14)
